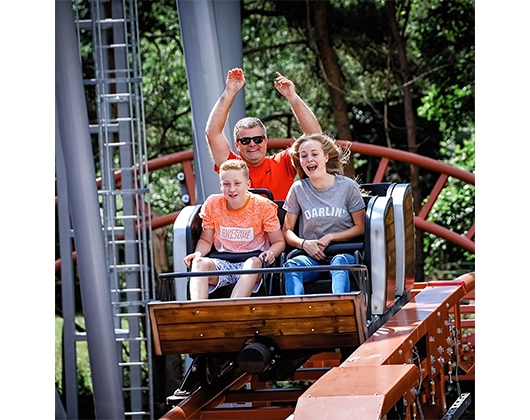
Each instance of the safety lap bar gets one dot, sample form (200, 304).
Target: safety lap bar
(186, 274)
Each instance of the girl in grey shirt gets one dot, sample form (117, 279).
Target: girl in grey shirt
(328, 208)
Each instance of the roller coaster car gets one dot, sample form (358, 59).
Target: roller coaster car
(272, 335)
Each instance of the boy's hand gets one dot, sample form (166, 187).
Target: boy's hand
(268, 257)
(189, 258)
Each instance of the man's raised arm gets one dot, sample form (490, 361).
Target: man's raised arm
(217, 141)
(307, 120)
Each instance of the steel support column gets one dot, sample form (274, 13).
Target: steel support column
(88, 236)
(211, 35)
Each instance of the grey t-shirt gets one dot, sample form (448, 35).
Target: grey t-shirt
(324, 211)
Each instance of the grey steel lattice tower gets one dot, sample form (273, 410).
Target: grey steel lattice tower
(117, 84)
(110, 30)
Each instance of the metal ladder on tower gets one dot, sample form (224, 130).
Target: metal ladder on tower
(111, 28)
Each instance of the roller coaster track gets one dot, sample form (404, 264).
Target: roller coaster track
(401, 371)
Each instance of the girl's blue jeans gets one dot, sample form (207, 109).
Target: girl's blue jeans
(340, 280)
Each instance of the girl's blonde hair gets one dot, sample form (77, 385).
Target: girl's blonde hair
(337, 156)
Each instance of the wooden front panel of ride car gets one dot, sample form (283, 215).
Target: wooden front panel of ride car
(227, 325)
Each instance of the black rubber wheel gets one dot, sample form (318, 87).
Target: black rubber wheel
(208, 370)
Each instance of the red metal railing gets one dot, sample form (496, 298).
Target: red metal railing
(465, 241)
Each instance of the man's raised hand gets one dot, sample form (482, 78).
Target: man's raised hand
(235, 79)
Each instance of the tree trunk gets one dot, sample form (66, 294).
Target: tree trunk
(330, 68)
(411, 129)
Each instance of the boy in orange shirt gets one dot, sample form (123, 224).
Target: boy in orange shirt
(235, 221)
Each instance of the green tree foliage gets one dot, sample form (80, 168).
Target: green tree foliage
(166, 99)
(445, 43)
(440, 40)
(165, 88)
(455, 210)
(279, 36)
(270, 44)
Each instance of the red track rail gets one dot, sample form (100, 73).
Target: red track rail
(465, 240)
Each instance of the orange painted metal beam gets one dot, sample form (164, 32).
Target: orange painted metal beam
(413, 321)
(260, 413)
(461, 240)
(203, 397)
(356, 393)
(385, 368)
(155, 223)
(395, 154)
(433, 196)
(381, 170)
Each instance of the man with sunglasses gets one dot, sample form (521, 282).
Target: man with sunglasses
(276, 172)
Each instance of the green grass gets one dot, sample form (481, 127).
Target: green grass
(83, 364)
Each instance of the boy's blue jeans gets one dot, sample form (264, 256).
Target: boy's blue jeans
(340, 281)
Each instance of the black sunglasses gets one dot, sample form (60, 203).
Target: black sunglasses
(246, 140)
